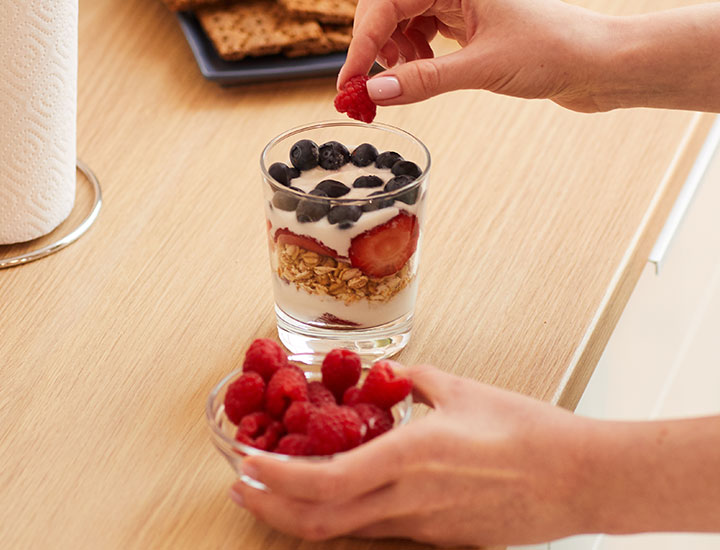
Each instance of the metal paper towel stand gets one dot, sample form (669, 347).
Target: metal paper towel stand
(74, 234)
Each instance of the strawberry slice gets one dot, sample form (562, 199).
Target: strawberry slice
(384, 249)
(285, 236)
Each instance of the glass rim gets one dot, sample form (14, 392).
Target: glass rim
(219, 434)
(277, 186)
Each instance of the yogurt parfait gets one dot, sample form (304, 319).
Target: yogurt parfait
(344, 206)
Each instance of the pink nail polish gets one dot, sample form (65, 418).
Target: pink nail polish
(236, 497)
(383, 87)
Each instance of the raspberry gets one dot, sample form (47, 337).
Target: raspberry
(270, 438)
(265, 357)
(383, 388)
(376, 420)
(254, 424)
(259, 430)
(294, 444)
(340, 370)
(352, 425)
(354, 100)
(243, 396)
(244, 438)
(319, 395)
(333, 429)
(297, 415)
(288, 384)
(351, 396)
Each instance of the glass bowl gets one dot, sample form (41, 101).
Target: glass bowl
(223, 431)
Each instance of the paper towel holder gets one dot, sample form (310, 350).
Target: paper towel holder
(74, 234)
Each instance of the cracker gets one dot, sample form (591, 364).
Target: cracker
(186, 5)
(254, 28)
(339, 12)
(334, 39)
(338, 35)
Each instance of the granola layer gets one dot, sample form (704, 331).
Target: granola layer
(323, 275)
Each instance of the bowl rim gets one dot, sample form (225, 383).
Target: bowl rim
(219, 434)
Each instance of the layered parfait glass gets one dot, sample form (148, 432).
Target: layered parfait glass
(344, 204)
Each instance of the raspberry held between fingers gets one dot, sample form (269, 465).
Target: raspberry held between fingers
(354, 100)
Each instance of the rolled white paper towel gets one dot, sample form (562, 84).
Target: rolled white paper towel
(38, 104)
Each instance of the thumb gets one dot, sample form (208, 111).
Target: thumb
(423, 78)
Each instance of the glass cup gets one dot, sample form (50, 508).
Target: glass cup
(344, 252)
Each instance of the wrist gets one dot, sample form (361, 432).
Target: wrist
(651, 476)
(626, 75)
(589, 61)
(662, 60)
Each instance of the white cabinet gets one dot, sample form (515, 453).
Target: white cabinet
(663, 359)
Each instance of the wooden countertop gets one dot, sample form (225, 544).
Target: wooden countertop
(539, 223)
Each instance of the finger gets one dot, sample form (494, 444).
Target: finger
(419, 528)
(431, 386)
(406, 527)
(319, 521)
(405, 47)
(424, 78)
(389, 55)
(421, 32)
(372, 29)
(368, 467)
(388, 528)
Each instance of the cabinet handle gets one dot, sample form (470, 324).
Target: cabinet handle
(657, 255)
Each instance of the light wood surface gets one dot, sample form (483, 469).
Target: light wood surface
(540, 221)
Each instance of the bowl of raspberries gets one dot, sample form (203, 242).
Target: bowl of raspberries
(304, 405)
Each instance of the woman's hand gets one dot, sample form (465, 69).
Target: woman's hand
(486, 466)
(521, 48)
(549, 49)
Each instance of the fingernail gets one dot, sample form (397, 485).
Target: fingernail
(236, 497)
(383, 87)
(401, 59)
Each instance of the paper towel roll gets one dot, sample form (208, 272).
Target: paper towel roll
(38, 104)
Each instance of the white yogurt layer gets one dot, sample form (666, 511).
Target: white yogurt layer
(346, 174)
(307, 307)
(330, 234)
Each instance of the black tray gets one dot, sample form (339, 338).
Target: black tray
(252, 69)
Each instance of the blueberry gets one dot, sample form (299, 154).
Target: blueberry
(367, 181)
(343, 214)
(398, 182)
(333, 188)
(387, 159)
(406, 168)
(333, 155)
(282, 173)
(376, 204)
(286, 201)
(364, 155)
(311, 210)
(305, 154)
